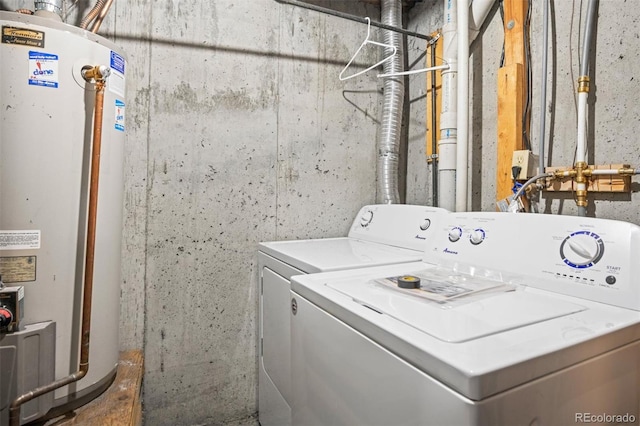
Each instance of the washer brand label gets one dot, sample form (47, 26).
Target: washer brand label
(18, 269)
(22, 36)
(43, 69)
(119, 115)
(19, 240)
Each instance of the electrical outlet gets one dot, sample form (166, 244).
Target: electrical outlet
(527, 162)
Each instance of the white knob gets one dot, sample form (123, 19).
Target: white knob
(425, 225)
(366, 218)
(455, 234)
(477, 236)
(582, 250)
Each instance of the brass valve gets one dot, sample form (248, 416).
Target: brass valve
(95, 74)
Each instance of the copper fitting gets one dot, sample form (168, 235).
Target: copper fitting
(627, 170)
(583, 84)
(581, 178)
(93, 74)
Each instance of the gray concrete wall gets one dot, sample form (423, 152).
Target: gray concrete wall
(613, 106)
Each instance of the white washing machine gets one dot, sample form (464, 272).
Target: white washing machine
(379, 235)
(523, 320)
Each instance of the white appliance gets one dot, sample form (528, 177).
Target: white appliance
(379, 235)
(47, 116)
(553, 339)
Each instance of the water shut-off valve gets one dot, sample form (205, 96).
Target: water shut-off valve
(94, 74)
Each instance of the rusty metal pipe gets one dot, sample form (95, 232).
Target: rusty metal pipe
(14, 410)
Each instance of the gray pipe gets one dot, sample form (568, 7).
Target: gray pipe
(543, 88)
(389, 135)
(590, 24)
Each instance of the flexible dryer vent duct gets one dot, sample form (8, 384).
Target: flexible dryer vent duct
(389, 137)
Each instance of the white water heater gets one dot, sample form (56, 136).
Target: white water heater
(46, 131)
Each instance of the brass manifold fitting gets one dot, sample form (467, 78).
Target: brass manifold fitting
(581, 173)
(583, 84)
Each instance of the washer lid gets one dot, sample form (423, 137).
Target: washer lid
(334, 254)
(459, 320)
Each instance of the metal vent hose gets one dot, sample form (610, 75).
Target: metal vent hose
(390, 127)
(52, 6)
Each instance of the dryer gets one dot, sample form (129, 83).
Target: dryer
(379, 235)
(519, 320)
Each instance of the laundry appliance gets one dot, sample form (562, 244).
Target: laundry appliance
(379, 235)
(518, 319)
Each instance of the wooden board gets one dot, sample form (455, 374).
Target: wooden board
(511, 94)
(433, 128)
(510, 106)
(120, 405)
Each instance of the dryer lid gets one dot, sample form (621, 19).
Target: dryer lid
(477, 316)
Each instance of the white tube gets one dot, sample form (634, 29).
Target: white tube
(462, 151)
(478, 12)
(448, 116)
(581, 150)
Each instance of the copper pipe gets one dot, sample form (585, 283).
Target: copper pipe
(14, 411)
(103, 13)
(92, 14)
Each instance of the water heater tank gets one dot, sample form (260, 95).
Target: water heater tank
(46, 120)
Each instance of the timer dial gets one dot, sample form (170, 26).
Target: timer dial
(366, 218)
(582, 249)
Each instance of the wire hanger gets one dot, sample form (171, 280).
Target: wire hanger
(365, 42)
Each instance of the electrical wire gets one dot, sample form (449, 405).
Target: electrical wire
(526, 111)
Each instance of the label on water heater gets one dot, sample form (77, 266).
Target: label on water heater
(116, 81)
(119, 115)
(18, 269)
(19, 240)
(43, 69)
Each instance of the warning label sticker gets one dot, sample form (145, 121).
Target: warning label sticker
(19, 240)
(119, 115)
(18, 269)
(43, 69)
(116, 82)
(22, 36)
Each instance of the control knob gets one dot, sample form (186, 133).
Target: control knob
(455, 234)
(582, 249)
(477, 236)
(366, 218)
(425, 224)
(6, 317)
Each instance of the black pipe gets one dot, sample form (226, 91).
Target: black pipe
(353, 18)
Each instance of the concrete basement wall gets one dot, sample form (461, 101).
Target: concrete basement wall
(245, 135)
(613, 107)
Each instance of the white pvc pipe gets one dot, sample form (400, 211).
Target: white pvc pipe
(462, 151)
(448, 116)
(478, 12)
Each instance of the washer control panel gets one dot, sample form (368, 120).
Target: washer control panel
(596, 259)
(400, 225)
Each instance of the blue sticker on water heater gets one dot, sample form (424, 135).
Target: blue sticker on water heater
(43, 69)
(119, 115)
(117, 62)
